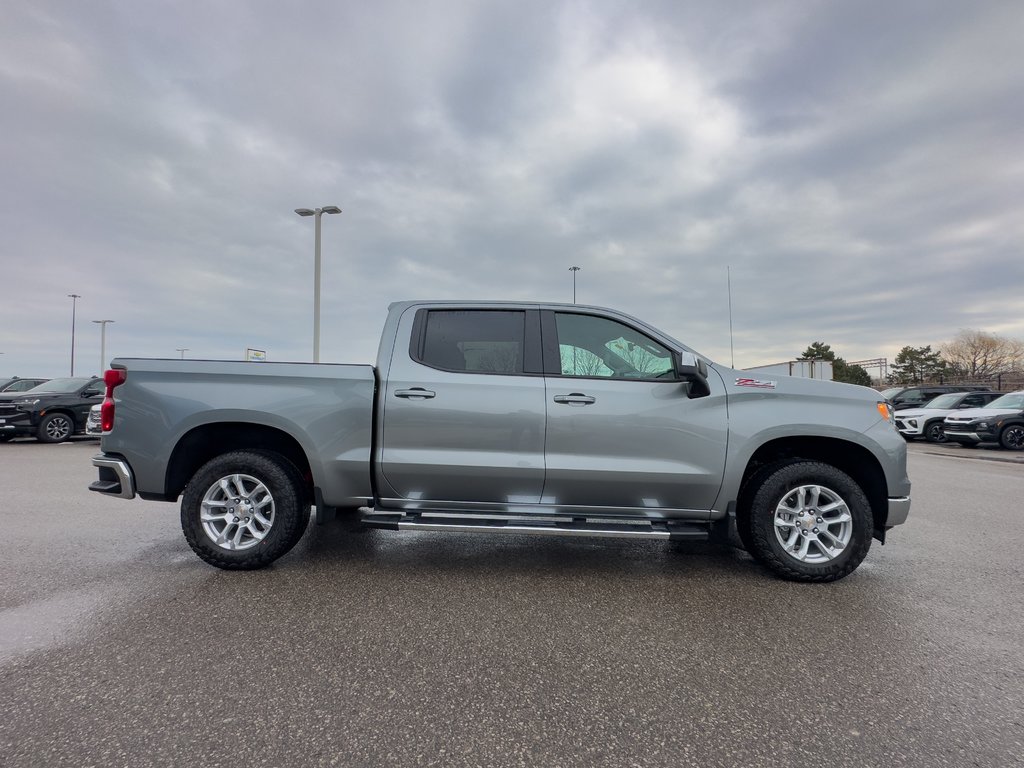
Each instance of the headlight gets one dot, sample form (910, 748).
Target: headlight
(884, 410)
(27, 402)
(982, 425)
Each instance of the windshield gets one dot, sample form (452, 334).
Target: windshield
(59, 386)
(1012, 400)
(946, 401)
(888, 393)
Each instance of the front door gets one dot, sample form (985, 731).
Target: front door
(464, 410)
(621, 430)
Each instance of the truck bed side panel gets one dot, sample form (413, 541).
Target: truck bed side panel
(327, 409)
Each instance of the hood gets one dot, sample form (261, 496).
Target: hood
(7, 397)
(739, 382)
(970, 414)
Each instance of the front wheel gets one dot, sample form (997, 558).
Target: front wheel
(55, 428)
(1012, 437)
(935, 432)
(244, 509)
(809, 521)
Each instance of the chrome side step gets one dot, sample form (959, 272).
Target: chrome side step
(546, 526)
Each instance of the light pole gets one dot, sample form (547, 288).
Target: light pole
(574, 270)
(103, 343)
(74, 305)
(316, 271)
(182, 350)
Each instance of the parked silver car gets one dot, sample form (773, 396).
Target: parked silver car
(93, 424)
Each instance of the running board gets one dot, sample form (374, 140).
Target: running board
(547, 526)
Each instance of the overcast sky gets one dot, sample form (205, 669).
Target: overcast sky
(859, 167)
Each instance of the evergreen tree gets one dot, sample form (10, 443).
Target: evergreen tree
(915, 365)
(841, 370)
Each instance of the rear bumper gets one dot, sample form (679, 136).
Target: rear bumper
(116, 477)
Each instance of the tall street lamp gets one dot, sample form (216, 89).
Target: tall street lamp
(316, 271)
(574, 270)
(103, 343)
(182, 350)
(74, 305)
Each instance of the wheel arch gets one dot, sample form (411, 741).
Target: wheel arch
(204, 442)
(855, 460)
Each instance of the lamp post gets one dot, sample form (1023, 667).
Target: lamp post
(103, 343)
(182, 350)
(74, 305)
(574, 270)
(316, 271)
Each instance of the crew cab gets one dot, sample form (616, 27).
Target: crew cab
(1001, 421)
(53, 411)
(542, 419)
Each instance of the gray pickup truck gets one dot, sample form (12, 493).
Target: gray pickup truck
(509, 417)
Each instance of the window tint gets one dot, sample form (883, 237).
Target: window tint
(476, 341)
(597, 346)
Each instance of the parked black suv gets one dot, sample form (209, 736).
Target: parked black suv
(916, 397)
(52, 411)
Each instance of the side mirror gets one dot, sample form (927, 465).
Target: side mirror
(694, 372)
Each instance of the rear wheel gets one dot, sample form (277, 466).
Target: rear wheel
(55, 428)
(810, 521)
(934, 432)
(244, 509)
(1012, 437)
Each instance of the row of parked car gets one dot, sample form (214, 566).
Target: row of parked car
(968, 416)
(53, 410)
(50, 410)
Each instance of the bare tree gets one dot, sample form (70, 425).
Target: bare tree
(977, 354)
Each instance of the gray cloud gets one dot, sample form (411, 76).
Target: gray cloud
(858, 168)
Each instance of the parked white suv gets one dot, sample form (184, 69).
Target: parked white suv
(927, 422)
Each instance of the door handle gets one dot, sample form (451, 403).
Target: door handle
(416, 393)
(575, 398)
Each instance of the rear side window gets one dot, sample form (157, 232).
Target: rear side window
(474, 341)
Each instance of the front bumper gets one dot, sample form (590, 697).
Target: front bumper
(116, 477)
(899, 509)
(908, 427)
(967, 438)
(17, 423)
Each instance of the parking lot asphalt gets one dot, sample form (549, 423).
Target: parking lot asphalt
(119, 647)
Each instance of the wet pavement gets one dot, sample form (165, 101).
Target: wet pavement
(119, 647)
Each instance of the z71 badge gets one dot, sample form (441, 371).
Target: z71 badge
(756, 383)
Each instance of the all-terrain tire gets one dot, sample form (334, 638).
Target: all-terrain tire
(823, 513)
(244, 509)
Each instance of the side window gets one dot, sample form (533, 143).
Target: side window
(596, 346)
(474, 341)
(974, 401)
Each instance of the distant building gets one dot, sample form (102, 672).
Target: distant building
(805, 369)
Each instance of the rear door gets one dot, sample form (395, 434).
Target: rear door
(622, 432)
(464, 409)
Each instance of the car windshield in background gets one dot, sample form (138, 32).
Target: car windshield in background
(946, 401)
(888, 393)
(59, 386)
(1012, 400)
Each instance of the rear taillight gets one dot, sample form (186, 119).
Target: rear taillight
(112, 378)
